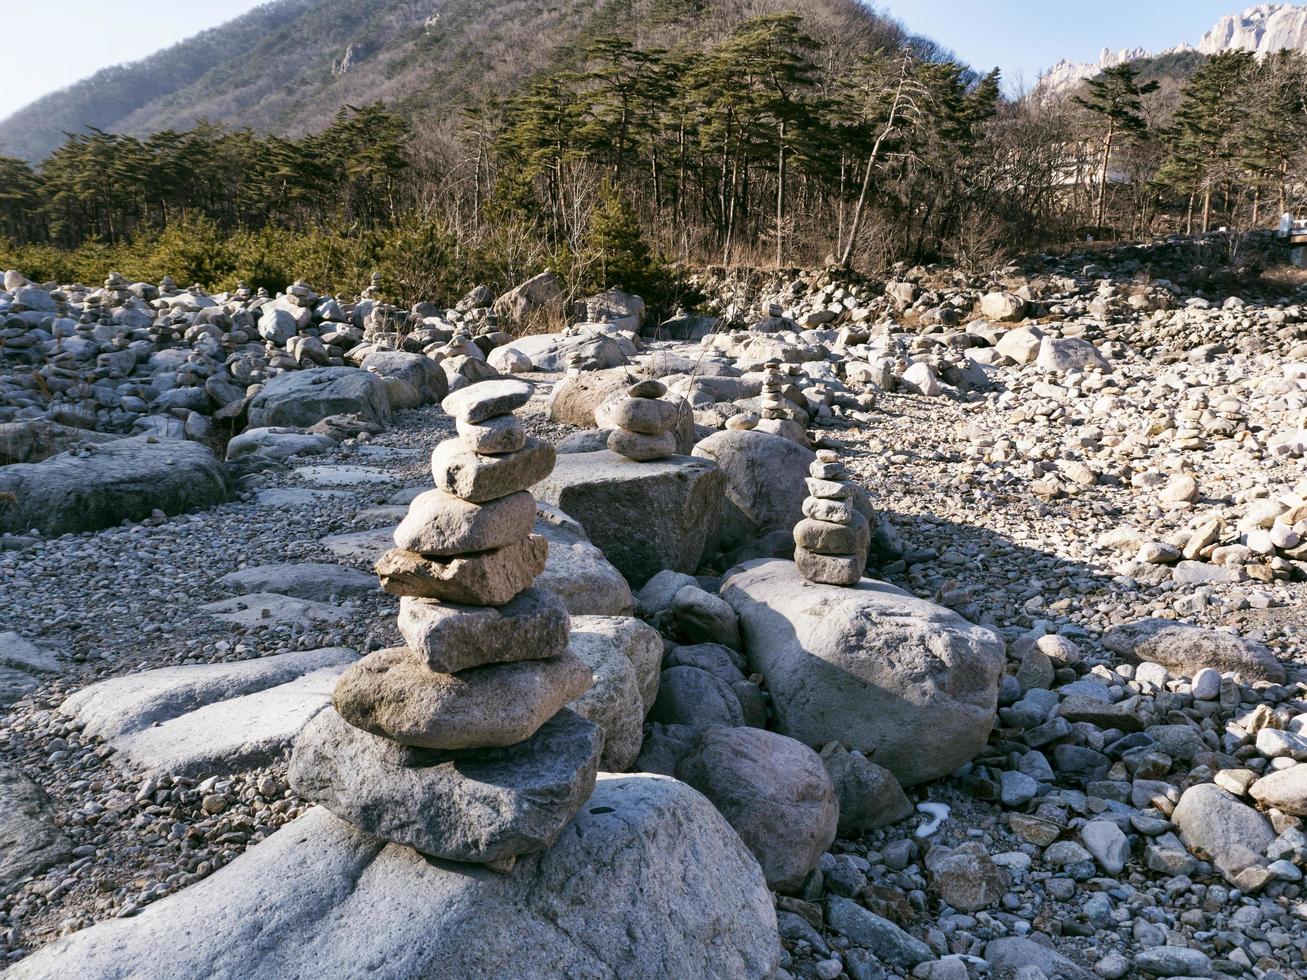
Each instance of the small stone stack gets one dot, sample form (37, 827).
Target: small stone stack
(644, 423)
(772, 402)
(459, 743)
(831, 542)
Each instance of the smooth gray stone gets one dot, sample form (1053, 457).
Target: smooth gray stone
(475, 805)
(576, 571)
(647, 882)
(134, 702)
(126, 479)
(318, 581)
(304, 398)
(30, 840)
(910, 684)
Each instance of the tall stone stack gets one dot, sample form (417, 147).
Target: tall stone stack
(772, 402)
(459, 743)
(644, 423)
(831, 542)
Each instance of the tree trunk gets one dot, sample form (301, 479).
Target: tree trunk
(1102, 176)
(780, 195)
(890, 124)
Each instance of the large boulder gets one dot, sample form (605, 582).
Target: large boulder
(32, 440)
(418, 371)
(1002, 307)
(1058, 355)
(126, 479)
(910, 684)
(575, 397)
(1217, 826)
(765, 482)
(773, 790)
(623, 656)
(541, 295)
(576, 571)
(648, 881)
(1185, 649)
(303, 398)
(644, 516)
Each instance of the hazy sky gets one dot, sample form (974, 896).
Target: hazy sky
(53, 43)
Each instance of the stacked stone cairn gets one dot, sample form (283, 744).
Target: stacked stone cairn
(831, 542)
(643, 423)
(772, 402)
(459, 743)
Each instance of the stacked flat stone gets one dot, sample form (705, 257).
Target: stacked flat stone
(643, 424)
(831, 542)
(772, 402)
(459, 743)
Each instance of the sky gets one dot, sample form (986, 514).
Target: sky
(53, 43)
(1022, 37)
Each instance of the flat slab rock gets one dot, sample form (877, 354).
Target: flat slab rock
(30, 840)
(296, 497)
(22, 665)
(343, 476)
(318, 581)
(644, 517)
(647, 882)
(126, 479)
(361, 546)
(209, 719)
(270, 609)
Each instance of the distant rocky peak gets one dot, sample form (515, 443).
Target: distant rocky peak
(1263, 29)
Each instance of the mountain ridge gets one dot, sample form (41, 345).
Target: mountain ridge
(286, 67)
(1263, 29)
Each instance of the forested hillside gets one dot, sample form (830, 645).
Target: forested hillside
(287, 67)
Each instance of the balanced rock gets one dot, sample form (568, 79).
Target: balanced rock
(450, 638)
(486, 578)
(393, 694)
(480, 805)
(439, 523)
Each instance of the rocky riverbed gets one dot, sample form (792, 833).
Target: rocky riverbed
(1088, 469)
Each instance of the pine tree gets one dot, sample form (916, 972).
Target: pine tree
(1117, 97)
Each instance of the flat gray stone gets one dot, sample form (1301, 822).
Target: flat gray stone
(361, 546)
(122, 705)
(473, 805)
(30, 839)
(317, 581)
(647, 882)
(271, 609)
(232, 735)
(343, 476)
(24, 655)
(296, 497)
